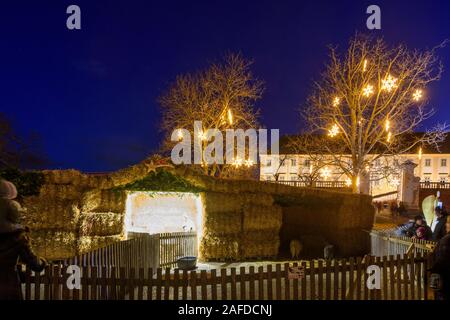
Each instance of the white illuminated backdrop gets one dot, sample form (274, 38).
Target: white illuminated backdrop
(159, 212)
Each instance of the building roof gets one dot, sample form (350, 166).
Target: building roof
(444, 147)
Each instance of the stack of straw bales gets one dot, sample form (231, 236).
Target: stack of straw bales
(240, 226)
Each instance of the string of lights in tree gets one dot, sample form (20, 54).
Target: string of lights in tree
(388, 84)
(225, 118)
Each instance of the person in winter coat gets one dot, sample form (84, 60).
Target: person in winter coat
(438, 224)
(419, 222)
(441, 263)
(14, 244)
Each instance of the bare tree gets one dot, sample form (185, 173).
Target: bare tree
(222, 97)
(19, 151)
(369, 103)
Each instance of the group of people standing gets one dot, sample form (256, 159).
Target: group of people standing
(438, 231)
(418, 228)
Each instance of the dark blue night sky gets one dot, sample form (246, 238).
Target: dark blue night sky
(91, 94)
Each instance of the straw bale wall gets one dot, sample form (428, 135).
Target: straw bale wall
(77, 212)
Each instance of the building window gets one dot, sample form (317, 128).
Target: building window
(443, 162)
(307, 163)
(396, 163)
(281, 178)
(427, 179)
(427, 162)
(283, 162)
(442, 179)
(269, 163)
(293, 162)
(376, 183)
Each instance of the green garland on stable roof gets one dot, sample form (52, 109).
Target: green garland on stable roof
(161, 180)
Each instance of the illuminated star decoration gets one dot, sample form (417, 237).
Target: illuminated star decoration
(417, 95)
(202, 135)
(237, 162)
(389, 83)
(325, 173)
(333, 131)
(368, 90)
(348, 182)
(248, 163)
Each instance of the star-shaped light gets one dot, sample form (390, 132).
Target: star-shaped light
(237, 162)
(389, 83)
(249, 163)
(202, 135)
(368, 90)
(417, 95)
(333, 131)
(325, 173)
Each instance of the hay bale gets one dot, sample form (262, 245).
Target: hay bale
(62, 176)
(260, 244)
(104, 201)
(222, 202)
(54, 245)
(58, 214)
(90, 200)
(263, 199)
(219, 248)
(101, 224)
(262, 217)
(262, 249)
(63, 191)
(223, 223)
(89, 243)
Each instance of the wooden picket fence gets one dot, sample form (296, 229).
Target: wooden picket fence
(385, 243)
(402, 278)
(140, 251)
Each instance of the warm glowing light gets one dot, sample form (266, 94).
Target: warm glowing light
(387, 125)
(417, 95)
(202, 135)
(336, 101)
(348, 182)
(249, 163)
(237, 162)
(365, 66)
(230, 117)
(368, 90)
(180, 134)
(389, 137)
(420, 153)
(357, 181)
(310, 169)
(325, 173)
(389, 83)
(333, 131)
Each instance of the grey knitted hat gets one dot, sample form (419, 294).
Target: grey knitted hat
(7, 190)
